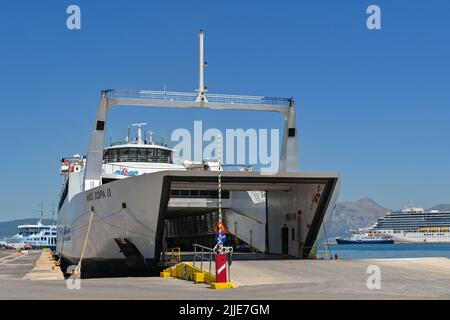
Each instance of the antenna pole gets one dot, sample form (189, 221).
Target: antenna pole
(139, 131)
(41, 211)
(150, 137)
(128, 135)
(53, 213)
(202, 64)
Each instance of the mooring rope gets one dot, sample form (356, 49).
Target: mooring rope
(78, 268)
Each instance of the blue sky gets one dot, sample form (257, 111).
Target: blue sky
(372, 105)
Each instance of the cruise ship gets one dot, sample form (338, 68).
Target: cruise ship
(122, 205)
(413, 224)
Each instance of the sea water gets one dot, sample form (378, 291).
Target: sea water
(381, 251)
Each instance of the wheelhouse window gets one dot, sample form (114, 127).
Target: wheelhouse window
(142, 155)
(137, 155)
(132, 153)
(122, 154)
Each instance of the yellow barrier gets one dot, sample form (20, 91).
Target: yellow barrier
(223, 285)
(164, 274)
(199, 277)
(187, 271)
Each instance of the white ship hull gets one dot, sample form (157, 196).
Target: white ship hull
(138, 222)
(422, 237)
(127, 229)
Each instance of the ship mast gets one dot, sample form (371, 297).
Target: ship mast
(202, 64)
(52, 211)
(41, 212)
(139, 131)
(127, 139)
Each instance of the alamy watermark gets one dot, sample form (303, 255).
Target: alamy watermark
(73, 21)
(374, 280)
(374, 20)
(74, 280)
(241, 147)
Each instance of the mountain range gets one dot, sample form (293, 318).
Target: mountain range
(353, 215)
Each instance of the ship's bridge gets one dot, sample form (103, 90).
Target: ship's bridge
(128, 160)
(137, 156)
(143, 153)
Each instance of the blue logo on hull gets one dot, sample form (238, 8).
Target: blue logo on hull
(125, 172)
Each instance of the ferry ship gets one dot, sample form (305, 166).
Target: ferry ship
(413, 224)
(364, 239)
(34, 236)
(120, 204)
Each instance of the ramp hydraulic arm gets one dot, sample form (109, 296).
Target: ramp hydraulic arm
(115, 97)
(200, 100)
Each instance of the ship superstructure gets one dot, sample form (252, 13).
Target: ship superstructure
(36, 236)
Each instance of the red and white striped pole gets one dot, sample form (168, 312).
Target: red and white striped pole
(221, 268)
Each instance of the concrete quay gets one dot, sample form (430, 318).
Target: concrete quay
(29, 276)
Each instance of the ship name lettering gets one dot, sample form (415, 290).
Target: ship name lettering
(99, 194)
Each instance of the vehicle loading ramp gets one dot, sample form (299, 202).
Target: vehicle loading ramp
(287, 222)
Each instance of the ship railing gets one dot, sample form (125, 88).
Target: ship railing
(191, 97)
(204, 254)
(225, 167)
(168, 159)
(237, 167)
(145, 143)
(138, 158)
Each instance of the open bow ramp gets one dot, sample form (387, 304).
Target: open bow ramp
(286, 220)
